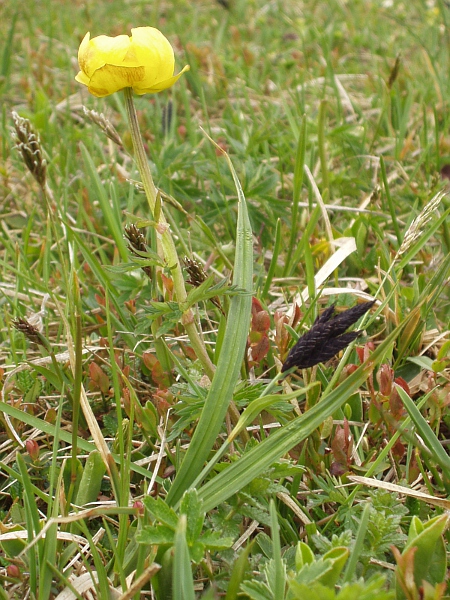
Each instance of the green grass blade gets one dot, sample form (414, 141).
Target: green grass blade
(183, 584)
(426, 433)
(273, 262)
(62, 434)
(280, 572)
(298, 182)
(359, 544)
(8, 48)
(390, 202)
(109, 210)
(230, 359)
(261, 457)
(31, 521)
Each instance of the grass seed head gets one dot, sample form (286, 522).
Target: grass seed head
(29, 146)
(104, 124)
(326, 337)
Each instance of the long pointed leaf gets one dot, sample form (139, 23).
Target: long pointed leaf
(230, 359)
(261, 457)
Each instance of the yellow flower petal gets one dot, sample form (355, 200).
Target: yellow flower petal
(154, 51)
(82, 78)
(145, 62)
(160, 86)
(111, 78)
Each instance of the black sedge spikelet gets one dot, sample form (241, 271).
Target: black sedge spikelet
(137, 245)
(326, 337)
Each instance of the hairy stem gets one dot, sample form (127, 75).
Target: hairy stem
(165, 238)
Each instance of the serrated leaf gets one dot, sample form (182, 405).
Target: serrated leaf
(192, 508)
(159, 534)
(159, 510)
(196, 551)
(213, 541)
(256, 590)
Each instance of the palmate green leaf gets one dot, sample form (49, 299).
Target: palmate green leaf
(170, 315)
(197, 293)
(138, 263)
(260, 458)
(212, 540)
(230, 359)
(156, 535)
(257, 590)
(197, 551)
(193, 509)
(160, 511)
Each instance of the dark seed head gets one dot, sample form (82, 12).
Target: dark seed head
(326, 337)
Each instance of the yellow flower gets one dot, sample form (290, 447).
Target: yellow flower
(144, 62)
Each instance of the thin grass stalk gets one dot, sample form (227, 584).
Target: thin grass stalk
(167, 243)
(124, 453)
(279, 583)
(77, 375)
(273, 262)
(31, 523)
(322, 150)
(91, 421)
(54, 463)
(359, 544)
(182, 582)
(50, 430)
(313, 219)
(426, 433)
(309, 269)
(102, 586)
(65, 580)
(390, 202)
(298, 182)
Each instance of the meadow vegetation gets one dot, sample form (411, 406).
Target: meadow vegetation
(301, 162)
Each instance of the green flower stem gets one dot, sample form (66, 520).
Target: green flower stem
(165, 237)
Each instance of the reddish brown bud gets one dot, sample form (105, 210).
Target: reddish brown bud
(13, 571)
(385, 378)
(139, 506)
(33, 449)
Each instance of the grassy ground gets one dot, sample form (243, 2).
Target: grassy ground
(335, 117)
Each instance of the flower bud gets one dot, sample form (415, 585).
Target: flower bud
(33, 449)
